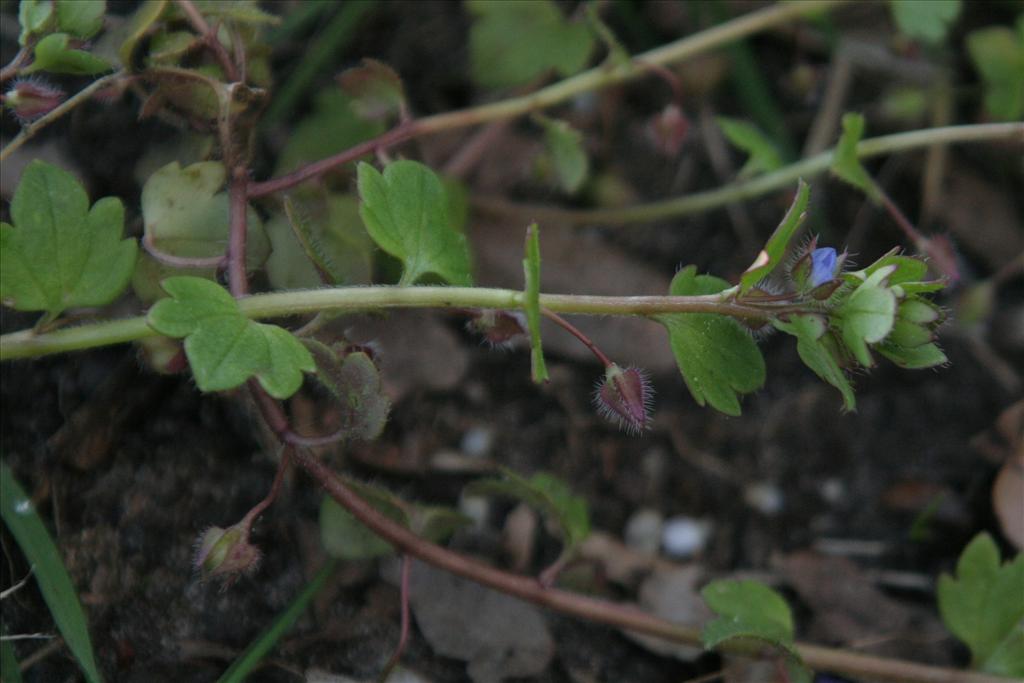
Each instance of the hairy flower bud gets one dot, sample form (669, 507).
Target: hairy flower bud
(226, 552)
(817, 269)
(624, 397)
(500, 329)
(31, 99)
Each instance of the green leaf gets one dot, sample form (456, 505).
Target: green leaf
(436, 523)
(354, 381)
(531, 303)
(406, 213)
(776, 246)
(749, 610)
(982, 606)
(258, 649)
(375, 89)
(240, 11)
(997, 53)
(764, 156)
(168, 47)
(53, 54)
(845, 162)
(224, 348)
(186, 214)
(138, 26)
(913, 358)
(927, 20)
(345, 537)
(35, 17)
(545, 493)
(10, 671)
(59, 253)
(565, 150)
(867, 315)
(81, 18)
(48, 568)
(512, 43)
(809, 329)
(717, 357)
(333, 127)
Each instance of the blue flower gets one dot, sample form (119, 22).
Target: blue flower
(823, 266)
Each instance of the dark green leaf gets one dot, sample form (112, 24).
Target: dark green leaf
(10, 671)
(59, 253)
(224, 348)
(845, 162)
(345, 537)
(982, 606)
(138, 26)
(240, 11)
(565, 151)
(512, 43)
(81, 18)
(764, 157)
(53, 54)
(531, 303)
(405, 210)
(927, 20)
(333, 127)
(436, 523)
(776, 246)
(998, 55)
(354, 381)
(168, 47)
(867, 315)
(48, 568)
(913, 358)
(717, 357)
(809, 329)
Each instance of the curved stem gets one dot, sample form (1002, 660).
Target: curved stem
(26, 344)
(755, 187)
(403, 636)
(595, 79)
(575, 331)
(209, 36)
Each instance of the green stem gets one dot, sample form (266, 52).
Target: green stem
(25, 344)
(755, 187)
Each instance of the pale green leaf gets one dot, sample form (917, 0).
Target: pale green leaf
(224, 348)
(927, 20)
(531, 303)
(53, 54)
(776, 246)
(867, 315)
(564, 146)
(809, 329)
(59, 253)
(354, 381)
(168, 47)
(240, 11)
(512, 43)
(845, 162)
(80, 18)
(998, 55)
(982, 605)
(54, 582)
(345, 537)
(927, 355)
(717, 357)
(35, 17)
(143, 19)
(405, 210)
(764, 157)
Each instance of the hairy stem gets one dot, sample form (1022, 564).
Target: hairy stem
(209, 37)
(755, 187)
(595, 79)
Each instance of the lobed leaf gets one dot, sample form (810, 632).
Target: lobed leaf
(867, 315)
(927, 20)
(845, 162)
(809, 330)
(777, 244)
(225, 348)
(531, 303)
(81, 18)
(717, 357)
(764, 156)
(564, 146)
(405, 210)
(982, 606)
(53, 54)
(60, 253)
(54, 582)
(512, 43)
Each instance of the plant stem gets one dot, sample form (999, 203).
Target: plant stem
(209, 36)
(606, 612)
(595, 79)
(25, 344)
(755, 187)
(63, 108)
(574, 331)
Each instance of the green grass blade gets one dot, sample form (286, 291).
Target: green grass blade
(9, 671)
(258, 649)
(54, 583)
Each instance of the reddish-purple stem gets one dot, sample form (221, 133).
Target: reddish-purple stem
(574, 331)
(403, 636)
(209, 35)
(237, 190)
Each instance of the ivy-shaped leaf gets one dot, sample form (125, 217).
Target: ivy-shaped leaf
(406, 213)
(751, 610)
(545, 493)
(764, 156)
(717, 357)
(354, 381)
(808, 330)
(997, 53)
(983, 607)
(60, 253)
(776, 246)
(927, 20)
(53, 54)
(225, 348)
(565, 152)
(867, 315)
(845, 162)
(531, 303)
(512, 43)
(81, 18)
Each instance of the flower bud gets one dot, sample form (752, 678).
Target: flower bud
(624, 397)
(31, 99)
(226, 552)
(667, 130)
(500, 329)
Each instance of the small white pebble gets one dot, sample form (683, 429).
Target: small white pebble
(833, 490)
(477, 508)
(764, 497)
(476, 442)
(643, 531)
(683, 537)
